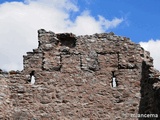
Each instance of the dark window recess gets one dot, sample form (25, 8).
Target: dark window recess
(67, 39)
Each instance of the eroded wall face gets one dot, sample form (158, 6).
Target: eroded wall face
(74, 78)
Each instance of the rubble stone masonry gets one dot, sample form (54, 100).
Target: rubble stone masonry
(74, 80)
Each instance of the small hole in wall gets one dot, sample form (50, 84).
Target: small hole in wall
(67, 39)
(114, 80)
(114, 83)
(32, 77)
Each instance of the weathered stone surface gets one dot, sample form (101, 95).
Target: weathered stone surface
(74, 80)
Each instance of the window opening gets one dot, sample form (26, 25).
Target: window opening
(32, 77)
(114, 81)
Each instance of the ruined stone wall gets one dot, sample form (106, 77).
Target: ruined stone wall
(74, 76)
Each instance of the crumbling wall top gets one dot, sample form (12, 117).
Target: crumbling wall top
(81, 77)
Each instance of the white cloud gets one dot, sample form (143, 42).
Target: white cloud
(85, 24)
(109, 24)
(20, 21)
(153, 47)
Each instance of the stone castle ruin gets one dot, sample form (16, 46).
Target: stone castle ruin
(91, 77)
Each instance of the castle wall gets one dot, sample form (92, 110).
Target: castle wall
(74, 79)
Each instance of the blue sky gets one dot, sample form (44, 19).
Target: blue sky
(141, 16)
(136, 19)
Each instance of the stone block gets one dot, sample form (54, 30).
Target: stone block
(70, 63)
(51, 62)
(108, 61)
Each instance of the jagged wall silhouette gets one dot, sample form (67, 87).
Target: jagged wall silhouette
(74, 76)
